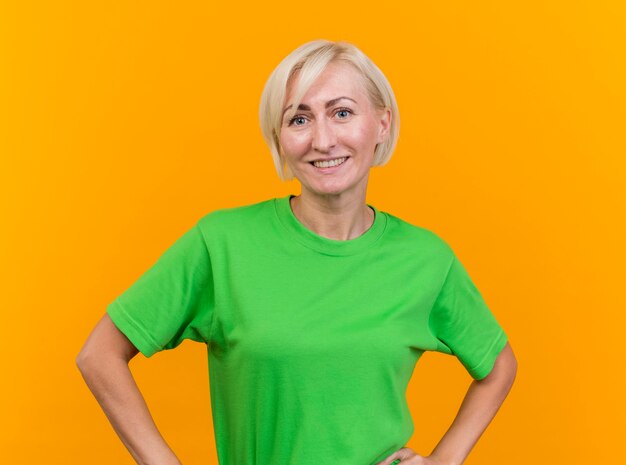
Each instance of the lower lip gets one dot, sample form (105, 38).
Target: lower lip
(330, 169)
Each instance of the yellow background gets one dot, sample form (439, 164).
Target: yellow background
(121, 123)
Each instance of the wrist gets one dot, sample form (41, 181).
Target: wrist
(437, 460)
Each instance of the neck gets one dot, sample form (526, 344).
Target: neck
(333, 217)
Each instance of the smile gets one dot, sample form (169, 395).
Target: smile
(329, 163)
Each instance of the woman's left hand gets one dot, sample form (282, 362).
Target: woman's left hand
(407, 456)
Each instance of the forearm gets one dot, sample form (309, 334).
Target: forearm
(111, 382)
(480, 405)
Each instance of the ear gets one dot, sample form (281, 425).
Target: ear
(384, 125)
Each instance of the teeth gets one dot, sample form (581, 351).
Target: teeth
(328, 164)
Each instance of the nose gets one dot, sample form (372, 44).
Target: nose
(324, 136)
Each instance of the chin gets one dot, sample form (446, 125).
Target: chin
(330, 190)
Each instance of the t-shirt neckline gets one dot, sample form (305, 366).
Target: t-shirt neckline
(323, 244)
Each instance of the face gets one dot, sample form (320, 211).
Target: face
(336, 125)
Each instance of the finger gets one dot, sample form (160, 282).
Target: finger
(398, 456)
(391, 460)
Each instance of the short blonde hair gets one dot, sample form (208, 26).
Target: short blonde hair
(310, 60)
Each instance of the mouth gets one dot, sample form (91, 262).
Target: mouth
(327, 164)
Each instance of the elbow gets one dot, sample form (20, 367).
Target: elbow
(81, 359)
(86, 357)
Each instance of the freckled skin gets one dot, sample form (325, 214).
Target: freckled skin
(344, 129)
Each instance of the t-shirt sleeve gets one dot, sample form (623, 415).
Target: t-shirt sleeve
(463, 324)
(172, 301)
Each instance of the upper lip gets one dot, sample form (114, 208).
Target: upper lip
(329, 158)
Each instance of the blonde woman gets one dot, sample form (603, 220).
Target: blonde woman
(314, 307)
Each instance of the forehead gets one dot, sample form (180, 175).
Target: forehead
(336, 77)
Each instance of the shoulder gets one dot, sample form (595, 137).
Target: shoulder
(234, 217)
(414, 236)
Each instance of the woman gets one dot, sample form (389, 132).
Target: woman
(314, 307)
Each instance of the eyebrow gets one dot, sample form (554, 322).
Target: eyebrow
(330, 103)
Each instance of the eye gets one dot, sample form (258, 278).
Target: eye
(343, 113)
(297, 121)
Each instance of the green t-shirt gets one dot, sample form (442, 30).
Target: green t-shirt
(311, 341)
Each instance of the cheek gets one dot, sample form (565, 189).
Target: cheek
(363, 137)
(294, 144)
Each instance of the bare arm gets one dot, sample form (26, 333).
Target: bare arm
(483, 399)
(103, 363)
